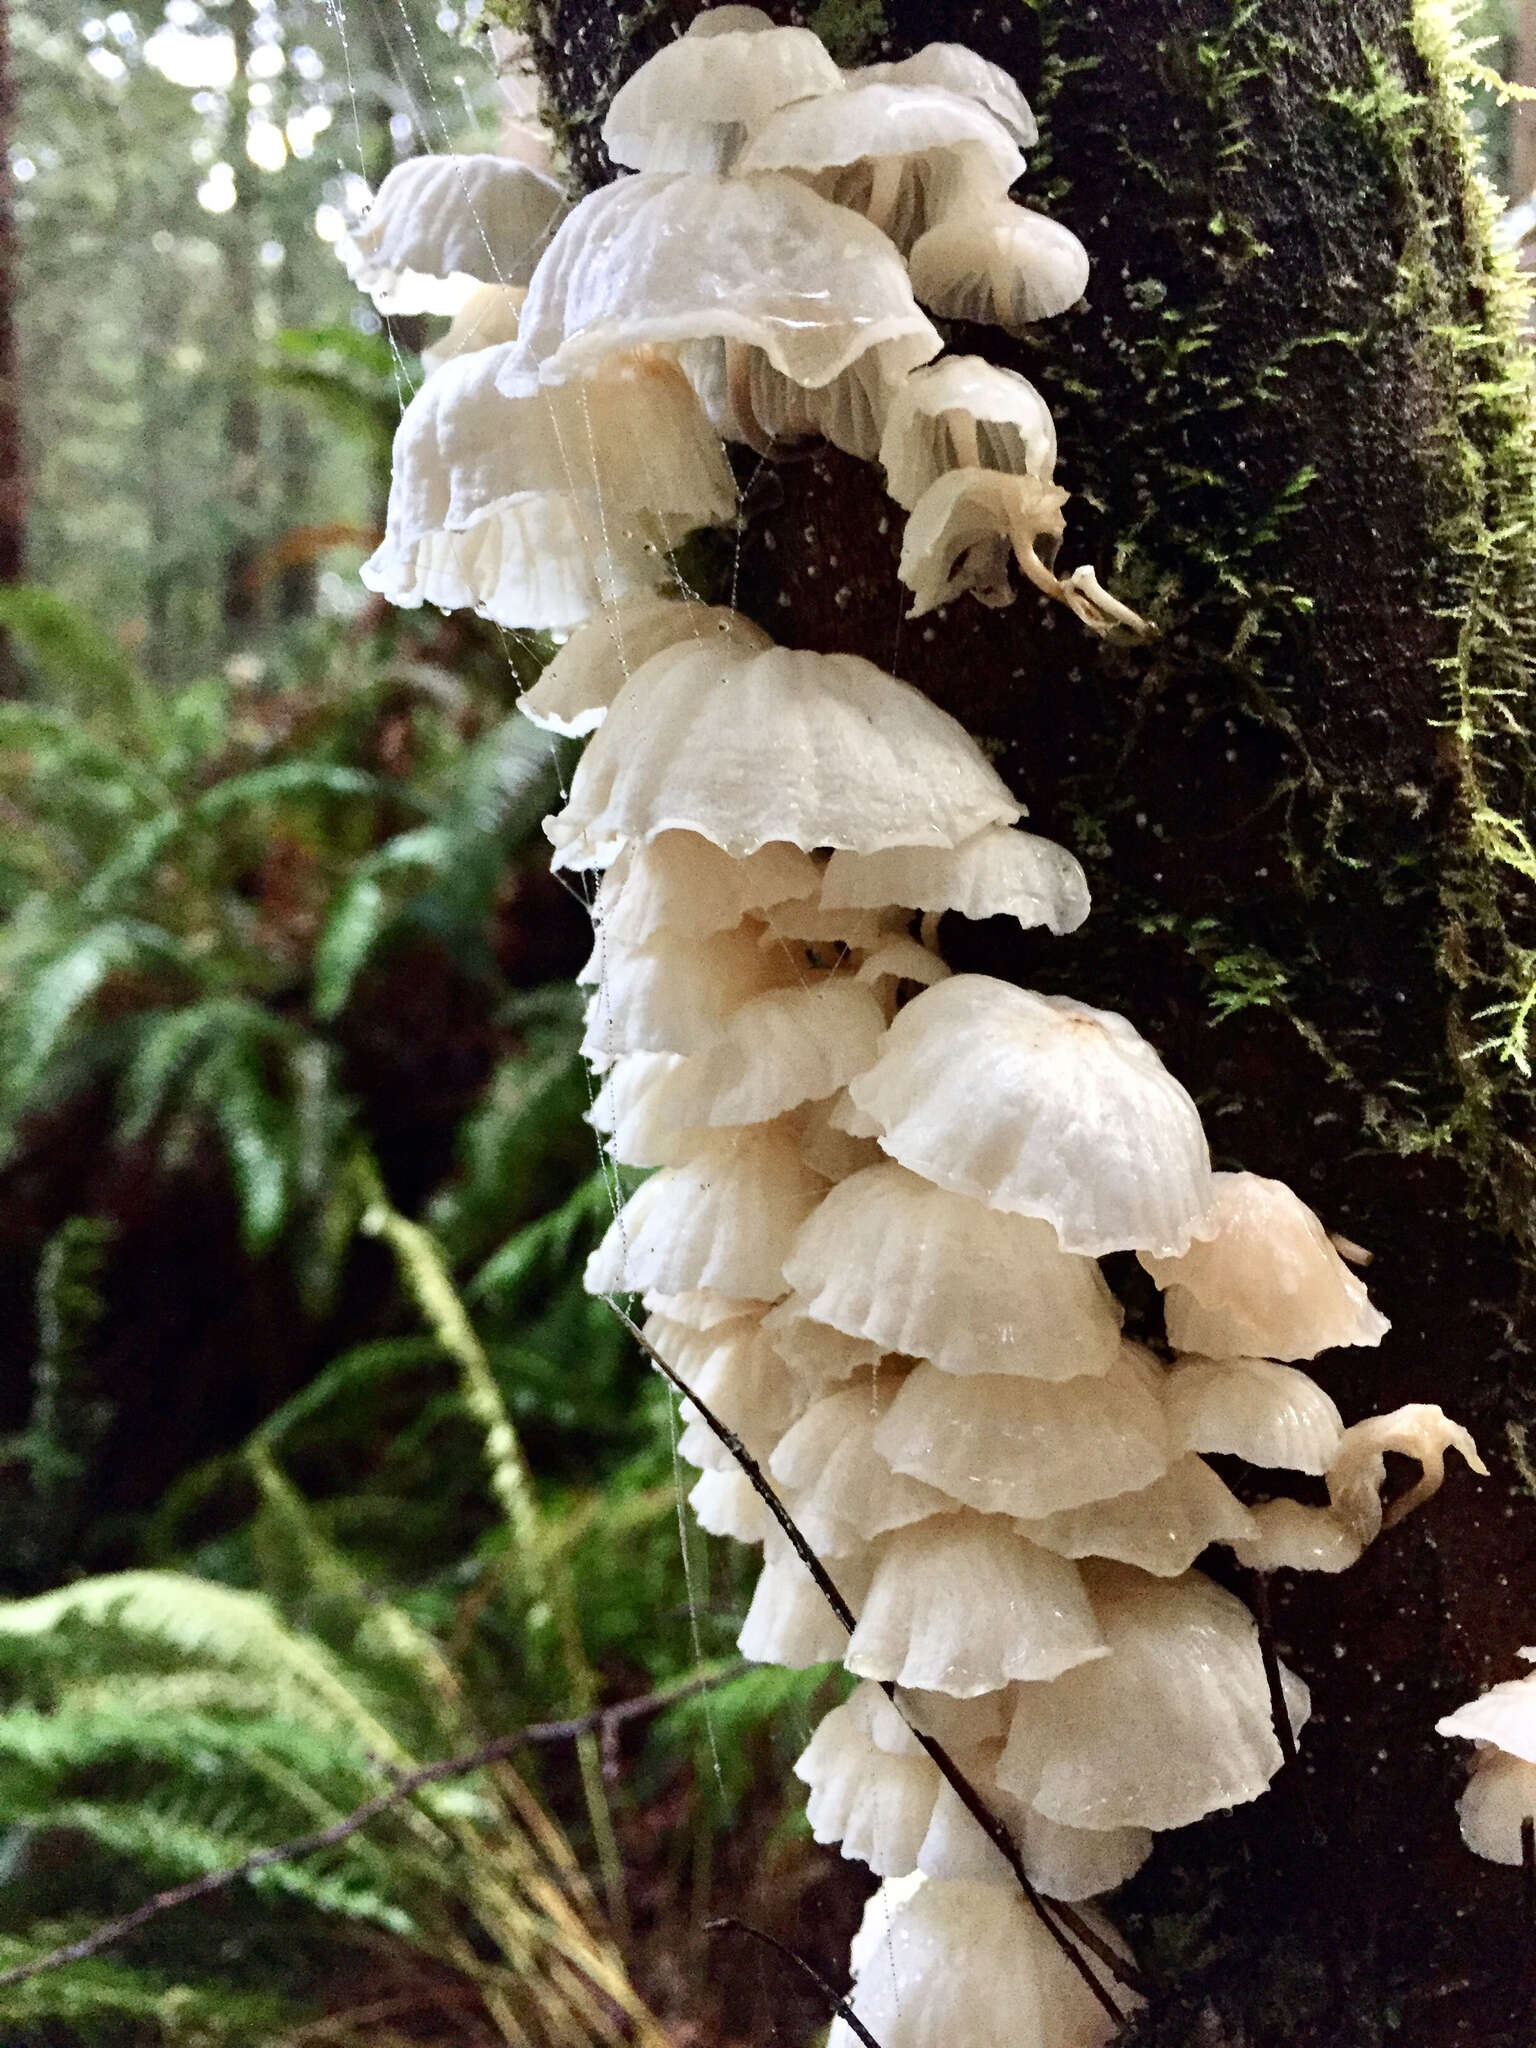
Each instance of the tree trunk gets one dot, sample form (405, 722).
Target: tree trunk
(13, 492)
(242, 598)
(1295, 420)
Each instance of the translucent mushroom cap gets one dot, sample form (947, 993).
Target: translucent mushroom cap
(1504, 1716)
(1267, 1282)
(691, 106)
(488, 317)
(1270, 1415)
(535, 511)
(892, 1258)
(962, 1961)
(900, 155)
(762, 263)
(963, 412)
(998, 873)
(1041, 1106)
(1500, 1797)
(969, 527)
(957, 69)
(440, 225)
(573, 694)
(1000, 265)
(813, 749)
(680, 883)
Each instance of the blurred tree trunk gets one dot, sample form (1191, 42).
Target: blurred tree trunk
(13, 494)
(1297, 426)
(243, 411)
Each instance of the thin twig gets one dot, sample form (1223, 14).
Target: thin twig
(403, 1786)
(839, 2005)
(1064, 1926)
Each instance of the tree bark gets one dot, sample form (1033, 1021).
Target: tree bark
(13, 491)
(1295, 420)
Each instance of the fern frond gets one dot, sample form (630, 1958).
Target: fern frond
(107, 2003)
(364, 908)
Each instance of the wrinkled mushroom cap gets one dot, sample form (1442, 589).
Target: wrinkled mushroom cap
(1504, 1717)
(690, 107)
(1161, 1529)
(1041, 1106)
(967, 529)
(1270, 1415)
(957, 69)
(682, 884)
(762, 262)
(997, 873)
(487, 318)
(963, 412)
(440, 225)
(999, 265)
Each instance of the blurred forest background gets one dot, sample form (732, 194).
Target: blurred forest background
(317, 1462)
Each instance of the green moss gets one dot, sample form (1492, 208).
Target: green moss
(849, 28)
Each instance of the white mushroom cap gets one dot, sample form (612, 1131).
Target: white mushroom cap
(897, 960)
(1271, 1415)
(439, 225)
(727, 1504)
(1265, 1282)
(632, 1110)
(1288, 1536)
(966, 529)
(970, 1963)
(699, 1308)
(996, 873)
(902, 156)
(487, 318)
(746, 399)
(844, 1492)
(957, 69)
(1064, 1863)
(1504, 1716)
(892, 1259)
(999, 265)
(1041, 1106)
(674, 994)
(962, 1604)
(680, 883)
(1161, 1529)
(875, 1797)
(762, 262)
(1500, 1795)
(536, 511)
(815, 749)
(789, 1621)
(573, 694)
(690, 107)
(818, 1353)
(1172, 1725)
(829, 1151)
(790, 1046)
(963, 412)
(1014, 1446)
(723, 1220)
(738, 1376)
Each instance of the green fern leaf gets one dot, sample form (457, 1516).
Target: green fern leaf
(81, 666)
(63, 987)
(363, 911)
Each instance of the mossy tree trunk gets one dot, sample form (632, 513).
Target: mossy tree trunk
(1293, 414)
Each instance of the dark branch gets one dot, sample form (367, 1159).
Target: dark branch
(839, 2005)
(607, 1720)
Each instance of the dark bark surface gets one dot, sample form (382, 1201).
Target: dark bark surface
(1294, 423)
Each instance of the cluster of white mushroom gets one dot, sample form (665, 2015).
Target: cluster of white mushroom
(761, 278)
(1500, 1798)
(869, 1244)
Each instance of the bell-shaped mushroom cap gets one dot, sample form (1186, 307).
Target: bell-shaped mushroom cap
(538, 510)
(690, 107)
(963, 412)
(899, 960)
(728, 21)
(1161, 1529)
(962, 1604)
(699, 1308)
(891, 1258)
(723, 1220)
(674, 994)
(439, 225)
(573, 694)
(996, 873)
(1500, 1795)
(1171, 1725)
(815, 749)
(632, 1110)
(972, 1963)
(680, 883)
(844, 1493)
(789, 1621)
(791, 1046)
(999, 265)
(874, 1796)
(746, 399)
(818, 1353)
(1266, 1282)
(965, 530)
(1287, 1536)
(1064, 1863)
(1013, 1446)
(737, 1375)
(903, 156)
(1504, 1716)
(1271, 1415)
(487, 318)
(1041, 1106)
(957, 69)
(831, 1152)
(727, 1504)
(762, 262)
